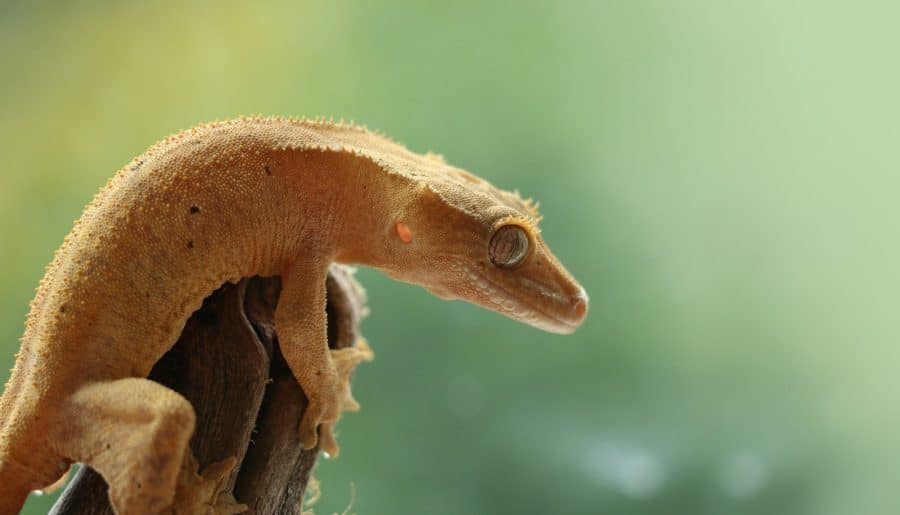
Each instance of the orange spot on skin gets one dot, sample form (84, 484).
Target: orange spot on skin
(404, 232)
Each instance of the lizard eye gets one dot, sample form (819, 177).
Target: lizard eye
(508, 247)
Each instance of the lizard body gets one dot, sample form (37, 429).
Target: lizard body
(222, 201)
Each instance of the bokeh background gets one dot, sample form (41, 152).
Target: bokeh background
(721, 176)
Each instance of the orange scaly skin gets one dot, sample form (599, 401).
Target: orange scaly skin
(253, 196)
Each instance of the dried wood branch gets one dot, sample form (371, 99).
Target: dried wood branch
(228, 364)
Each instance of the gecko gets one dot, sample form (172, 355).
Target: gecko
(253, 196)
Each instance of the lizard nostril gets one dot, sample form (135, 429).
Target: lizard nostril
(580, 304)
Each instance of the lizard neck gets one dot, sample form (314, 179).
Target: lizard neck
(374, 200)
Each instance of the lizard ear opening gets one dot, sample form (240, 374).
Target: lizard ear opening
(403, 232)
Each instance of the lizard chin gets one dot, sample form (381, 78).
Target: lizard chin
(442, 293)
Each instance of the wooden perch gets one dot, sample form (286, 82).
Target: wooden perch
(228, 364)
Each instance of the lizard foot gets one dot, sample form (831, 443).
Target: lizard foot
(203, 494)
(326, 404)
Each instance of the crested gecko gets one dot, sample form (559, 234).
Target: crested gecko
(213, 204)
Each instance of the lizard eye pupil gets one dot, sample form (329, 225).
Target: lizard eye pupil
(508, 247)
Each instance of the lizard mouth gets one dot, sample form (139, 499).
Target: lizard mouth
(554, 303)
(540, 305)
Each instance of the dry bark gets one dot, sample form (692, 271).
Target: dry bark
(227, 363)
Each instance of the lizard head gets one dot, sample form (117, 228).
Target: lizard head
(461, 238)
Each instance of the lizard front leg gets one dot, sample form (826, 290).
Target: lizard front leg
(302, 328)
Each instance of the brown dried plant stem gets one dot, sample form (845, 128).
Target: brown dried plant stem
(227, 363)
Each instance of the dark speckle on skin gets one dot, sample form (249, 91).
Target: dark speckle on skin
(268, 170)
(62, 309)
(195, 210)
(137, 165)
(190, 244)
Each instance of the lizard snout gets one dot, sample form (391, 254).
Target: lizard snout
(580, 306)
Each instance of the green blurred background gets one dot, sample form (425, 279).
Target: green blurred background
(721, 176)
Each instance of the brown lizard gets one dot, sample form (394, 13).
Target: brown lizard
(222, 201)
